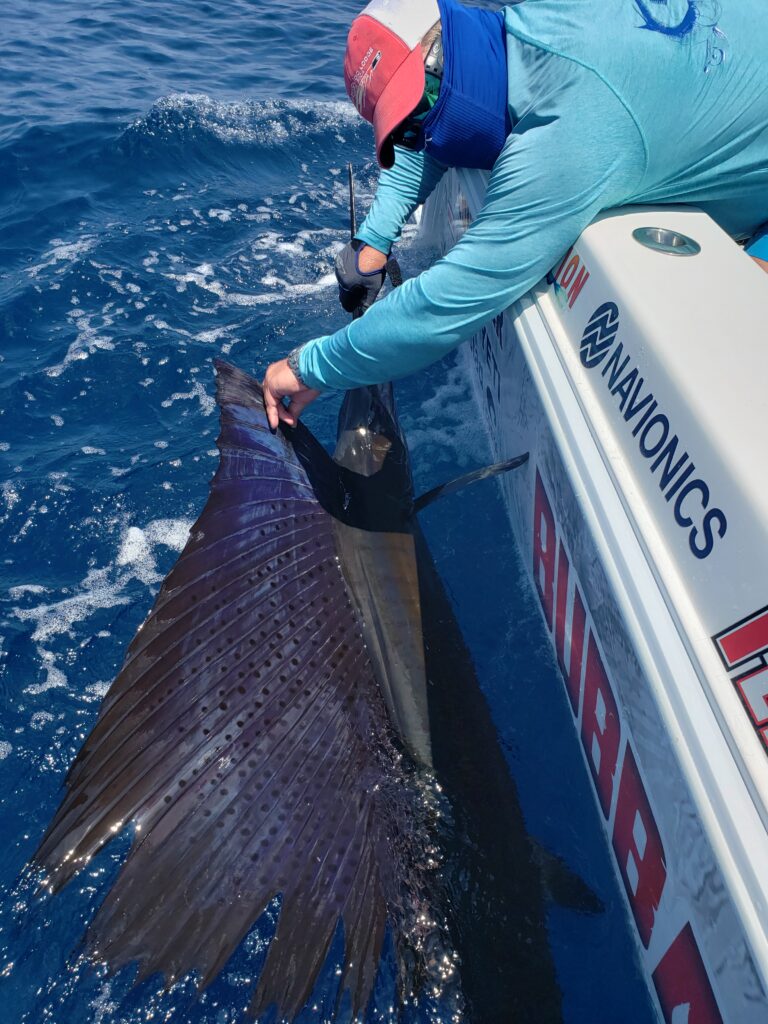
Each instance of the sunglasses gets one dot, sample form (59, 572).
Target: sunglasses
(409, 132)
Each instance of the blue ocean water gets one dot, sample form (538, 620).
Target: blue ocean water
(172, 189)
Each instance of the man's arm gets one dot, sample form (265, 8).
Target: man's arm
(573, 157)
(402, 188)
(360, 264)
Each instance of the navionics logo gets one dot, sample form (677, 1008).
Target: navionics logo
(599, 334)
(672, 467)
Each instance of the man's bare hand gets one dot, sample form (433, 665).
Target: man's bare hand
(280, 382)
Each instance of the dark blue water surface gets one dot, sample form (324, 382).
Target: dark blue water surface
(171, 189)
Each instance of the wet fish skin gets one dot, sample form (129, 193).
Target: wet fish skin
(496, 880)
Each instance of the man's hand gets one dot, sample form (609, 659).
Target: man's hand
(360, 271)
(280, 381)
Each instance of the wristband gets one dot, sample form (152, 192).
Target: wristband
(293, 364)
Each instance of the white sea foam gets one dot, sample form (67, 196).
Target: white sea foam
(268, 123)
(105, 587)
(275, 243)
(136, 550)
(207, 403)
(101, 588)
(104, 1006)
(98, 690)
(5, 749)
(10, 494)
(450, 421)
(98, 590)
(110, 276)
(88, 341)
(212, 336)
(281, 289)
(26, 588)
(287, 289)
(199, 276)
(209, 337)
(62, 252)
(137, 546)
(53, 675)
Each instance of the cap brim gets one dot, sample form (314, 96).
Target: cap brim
(399, 99)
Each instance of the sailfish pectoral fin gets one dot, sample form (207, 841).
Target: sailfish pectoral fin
(469, 478)
(246, 739)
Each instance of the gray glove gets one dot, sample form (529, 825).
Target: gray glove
(357, 289)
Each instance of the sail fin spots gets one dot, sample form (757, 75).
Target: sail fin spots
(246, 740)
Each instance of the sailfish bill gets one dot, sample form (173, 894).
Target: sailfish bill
(246, 737)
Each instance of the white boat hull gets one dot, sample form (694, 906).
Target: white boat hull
(674, 751)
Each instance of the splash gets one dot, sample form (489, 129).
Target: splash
(265, 123)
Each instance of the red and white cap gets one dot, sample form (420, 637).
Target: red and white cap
(384, 65)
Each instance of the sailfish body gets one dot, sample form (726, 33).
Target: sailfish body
(253, 735)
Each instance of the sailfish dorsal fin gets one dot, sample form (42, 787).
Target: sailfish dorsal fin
(247, 742)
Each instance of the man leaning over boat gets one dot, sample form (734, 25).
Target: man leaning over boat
(574, 106)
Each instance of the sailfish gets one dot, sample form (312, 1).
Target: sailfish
(261, 733)
(269, 730)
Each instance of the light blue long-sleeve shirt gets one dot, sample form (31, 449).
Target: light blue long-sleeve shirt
(613, 102)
